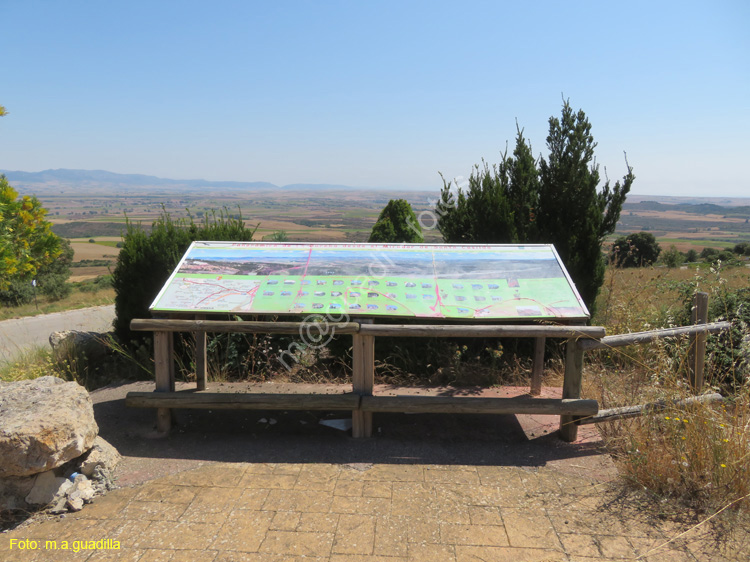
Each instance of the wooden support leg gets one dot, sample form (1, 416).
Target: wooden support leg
(363, 380)
(200, 356)
(537, 366)
(164, 371)
(697, 353)
(571, 387)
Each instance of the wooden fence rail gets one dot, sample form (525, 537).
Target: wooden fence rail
(623, 412)
(572, 409)
(365, 329)
(621, 340)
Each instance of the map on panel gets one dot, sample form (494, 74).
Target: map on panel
(390, 280)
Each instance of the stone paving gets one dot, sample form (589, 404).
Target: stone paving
(231, 487)
(273, 512)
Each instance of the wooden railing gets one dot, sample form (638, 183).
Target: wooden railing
(361, 401)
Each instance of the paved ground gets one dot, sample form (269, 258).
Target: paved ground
(21, 334)
(232, 486)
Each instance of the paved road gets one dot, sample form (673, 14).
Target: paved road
(22, 334)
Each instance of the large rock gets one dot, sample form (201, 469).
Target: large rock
(44, 423)
(74, 343)
(102, 455)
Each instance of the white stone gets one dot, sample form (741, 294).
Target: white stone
(48, 488)
(75, 504)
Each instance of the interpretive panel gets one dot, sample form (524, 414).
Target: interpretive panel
(392, 280)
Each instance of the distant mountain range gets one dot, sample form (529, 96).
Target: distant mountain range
(693, 208)
(103, 179)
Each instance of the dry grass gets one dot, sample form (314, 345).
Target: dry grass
(76, 300)
(698, 454)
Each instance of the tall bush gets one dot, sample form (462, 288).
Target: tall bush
(397, 223)
(146, 260)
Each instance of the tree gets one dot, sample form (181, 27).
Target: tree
(277, 236)
(742, 249)
(559, 204)
(481, 214)
(397, 223)
(691, 256)
(573, 214)
(53, 278)
(634, 250)
(27, 242)
(673, 257)
(709, 253)
(523, 188)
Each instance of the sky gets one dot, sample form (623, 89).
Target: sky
(374, 94)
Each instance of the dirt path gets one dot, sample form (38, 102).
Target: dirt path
(22, 334)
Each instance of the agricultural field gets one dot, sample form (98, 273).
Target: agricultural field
(687, 226)
(335, 214)
(304, 216)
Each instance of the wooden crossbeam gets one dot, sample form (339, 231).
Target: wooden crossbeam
(244, 401)
(477, 405)
(479, 331)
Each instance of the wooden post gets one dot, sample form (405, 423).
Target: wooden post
(200, 356)
(363, 380)
(537, 366)
(697, 352)
(164, 375)
(571, 387)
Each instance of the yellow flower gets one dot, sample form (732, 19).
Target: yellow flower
(666, 417)
(723, 465)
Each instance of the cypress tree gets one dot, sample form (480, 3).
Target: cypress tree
(557, 202)
(573, 215)
(481, 214)
(523, 188)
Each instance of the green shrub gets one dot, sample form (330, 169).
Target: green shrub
(397, 223)
(728, 352)
(146, 261)
(55, 286)
(672, 257)
(101, 282)
(278, 236)
(635, 250)
(19, 292)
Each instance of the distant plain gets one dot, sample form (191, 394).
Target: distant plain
(97, 209)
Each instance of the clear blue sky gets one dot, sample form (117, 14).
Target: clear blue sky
(382, 94)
